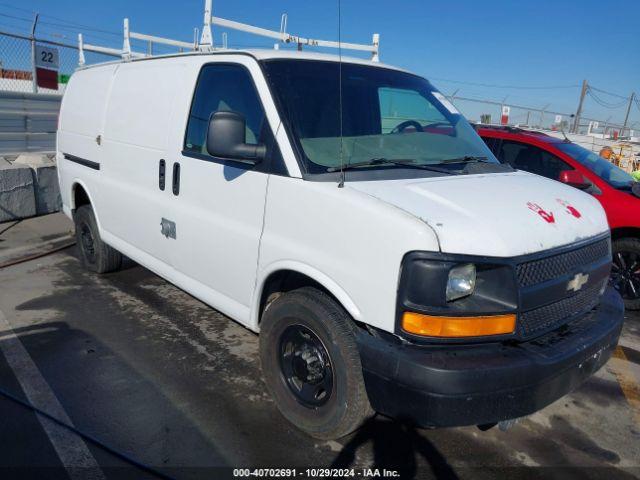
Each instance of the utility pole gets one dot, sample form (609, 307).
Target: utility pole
(606, 125)
(626, 117)
(583, 93)
(34, 80)
(542, 115)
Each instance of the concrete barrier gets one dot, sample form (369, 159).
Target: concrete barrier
(17, 198)
(45, 181)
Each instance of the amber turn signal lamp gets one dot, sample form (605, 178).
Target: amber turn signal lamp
(478, 326)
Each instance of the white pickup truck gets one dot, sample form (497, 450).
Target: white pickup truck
(348, 213)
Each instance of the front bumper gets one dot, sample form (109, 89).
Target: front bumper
(456, 385)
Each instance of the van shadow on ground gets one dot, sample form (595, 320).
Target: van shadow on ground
(396, 446)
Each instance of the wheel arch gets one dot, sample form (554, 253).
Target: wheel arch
(80, 195)
(625, 232)
(286, 276)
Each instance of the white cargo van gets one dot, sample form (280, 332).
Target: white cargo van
(349, 214)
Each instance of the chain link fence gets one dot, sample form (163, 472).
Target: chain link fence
(490, 112)
(16, 62)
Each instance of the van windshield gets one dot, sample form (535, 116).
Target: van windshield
(389, 118)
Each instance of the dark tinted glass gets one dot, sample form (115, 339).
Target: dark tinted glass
(224, 88)
(532, 159)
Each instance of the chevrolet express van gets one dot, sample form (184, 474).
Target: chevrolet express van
(349, 214)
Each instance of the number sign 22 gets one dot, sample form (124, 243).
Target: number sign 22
(46, 57)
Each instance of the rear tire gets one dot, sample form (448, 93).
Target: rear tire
(95, 255)
(625, 274)
(311, 364)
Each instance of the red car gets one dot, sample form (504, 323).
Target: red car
(574, 165)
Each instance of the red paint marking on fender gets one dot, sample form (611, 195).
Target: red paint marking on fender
(570, 209)
(547, 216)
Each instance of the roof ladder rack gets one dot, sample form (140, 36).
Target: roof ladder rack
(127, 53)
(128, 35)
(82, 47)
(285, 37)
(206, 39)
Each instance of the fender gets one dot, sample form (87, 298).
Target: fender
(74, 183)
(336, 290)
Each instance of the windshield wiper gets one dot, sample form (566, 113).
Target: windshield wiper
(465, 159)
(382, 161)
(350, 166)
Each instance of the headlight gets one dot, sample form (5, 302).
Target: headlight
(461, 281)
(438, 293)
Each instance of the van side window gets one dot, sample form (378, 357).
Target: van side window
(224, 88)
(532, 159)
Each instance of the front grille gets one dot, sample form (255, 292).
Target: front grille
(554, 271)
(544, 318)
(538, 271)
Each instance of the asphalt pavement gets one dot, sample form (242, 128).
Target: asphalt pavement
(148, 381)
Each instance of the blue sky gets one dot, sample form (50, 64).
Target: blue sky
(541, 43)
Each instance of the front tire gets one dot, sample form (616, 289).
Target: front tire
(95, 255)
(311, 364)
(625, 272)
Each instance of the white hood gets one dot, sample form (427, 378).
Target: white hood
(499, 215)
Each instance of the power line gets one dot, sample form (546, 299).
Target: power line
(29, 20)
(608, 93)
(46, 31)
(75, 29)
(13, 7)
(65, 23)
(515, 87)
(80, 25)
(604, 103)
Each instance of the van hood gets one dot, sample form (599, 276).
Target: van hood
(501, 215)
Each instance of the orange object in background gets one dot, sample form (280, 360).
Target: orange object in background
(606, 152)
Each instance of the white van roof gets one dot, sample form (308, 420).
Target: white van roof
(258, 54)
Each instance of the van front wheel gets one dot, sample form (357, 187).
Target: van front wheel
(95, 255)
(311, 364)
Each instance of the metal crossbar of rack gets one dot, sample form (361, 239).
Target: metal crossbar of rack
(205, 42)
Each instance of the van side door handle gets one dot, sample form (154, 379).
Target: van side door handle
(161, 173)
(176, 178)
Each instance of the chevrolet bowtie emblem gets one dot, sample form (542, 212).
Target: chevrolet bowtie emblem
(577, 282)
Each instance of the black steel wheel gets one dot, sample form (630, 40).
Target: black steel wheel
(306, 366)
(311, 363)
(87, 242)
(95, 255)
(625, 271)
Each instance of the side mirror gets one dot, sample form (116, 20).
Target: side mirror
(575, 179)
(226, 138)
